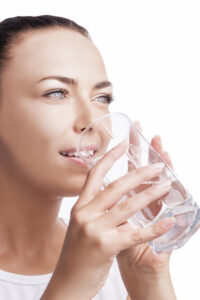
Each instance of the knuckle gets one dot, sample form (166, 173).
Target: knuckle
(137, 237)
(116, 188)
(88, 230)
(77, 217)
(155, 232)
(96, 172)
(74, 210)
(103, 245)
(140, 172)
(154, 188)
(136, 171)
(113, 186)
(150, 191)
(143, 172)
(93, 171)
(125, 205)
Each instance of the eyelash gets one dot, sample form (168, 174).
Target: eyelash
(64, 92)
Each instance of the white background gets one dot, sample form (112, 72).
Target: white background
(152, 53)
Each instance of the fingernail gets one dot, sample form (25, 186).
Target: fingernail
(157, 166)
(137, 123)
(157, 136)
(168, 222)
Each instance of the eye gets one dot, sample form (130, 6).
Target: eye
(58, 93)
(107, 99)
(61, 94)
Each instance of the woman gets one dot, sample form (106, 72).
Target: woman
(53, 84)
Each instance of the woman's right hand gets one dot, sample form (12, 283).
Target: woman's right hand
(94, 236)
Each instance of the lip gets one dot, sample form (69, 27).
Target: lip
(94, 147)
(76, 160)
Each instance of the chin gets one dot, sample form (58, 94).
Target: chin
(70, 193)
(73, 186)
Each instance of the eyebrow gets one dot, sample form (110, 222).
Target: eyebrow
(72, 81)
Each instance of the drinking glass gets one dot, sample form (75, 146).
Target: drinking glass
(107, 132)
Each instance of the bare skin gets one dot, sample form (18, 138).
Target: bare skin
(34, 177)
(96, 232)
(33, 129)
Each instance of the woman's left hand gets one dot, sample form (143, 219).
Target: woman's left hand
(140, 258)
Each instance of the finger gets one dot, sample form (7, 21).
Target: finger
(130, 238)
(157, 143)
(134, 147)
(124, 227)
(155, 149)
(134, 137)
(118, 214)
(138, 125)
(165, 156)
(95, 176)
(120, 187)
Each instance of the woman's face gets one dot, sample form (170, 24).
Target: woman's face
(36, 125)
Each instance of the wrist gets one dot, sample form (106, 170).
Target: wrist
(153, 287)
(59, 290)
(154, 279)
(156, 272)
(151, 276)
(147, 284)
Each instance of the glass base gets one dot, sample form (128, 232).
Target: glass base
(158, 245)
(187, 223)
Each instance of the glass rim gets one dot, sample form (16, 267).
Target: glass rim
(131, 122)
(100, 118)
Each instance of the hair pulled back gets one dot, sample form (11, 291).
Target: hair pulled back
(12, 30)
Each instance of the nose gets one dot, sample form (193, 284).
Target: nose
(90, 129)
(83, 121)
(84, 117)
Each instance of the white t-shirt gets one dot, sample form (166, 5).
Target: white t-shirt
(31, 287)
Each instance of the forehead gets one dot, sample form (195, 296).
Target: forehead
(56, 50)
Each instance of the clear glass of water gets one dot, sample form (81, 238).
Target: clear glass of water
(108, 131)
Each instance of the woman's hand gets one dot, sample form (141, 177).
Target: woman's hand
(145, 275)
(140, 258)
(95, 233)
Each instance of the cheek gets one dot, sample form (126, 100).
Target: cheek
(34, 126)
(33, 137)
(28, 134)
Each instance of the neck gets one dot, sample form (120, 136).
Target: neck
(28, 217)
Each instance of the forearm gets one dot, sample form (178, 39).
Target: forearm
(77, 284)
(60, 288)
